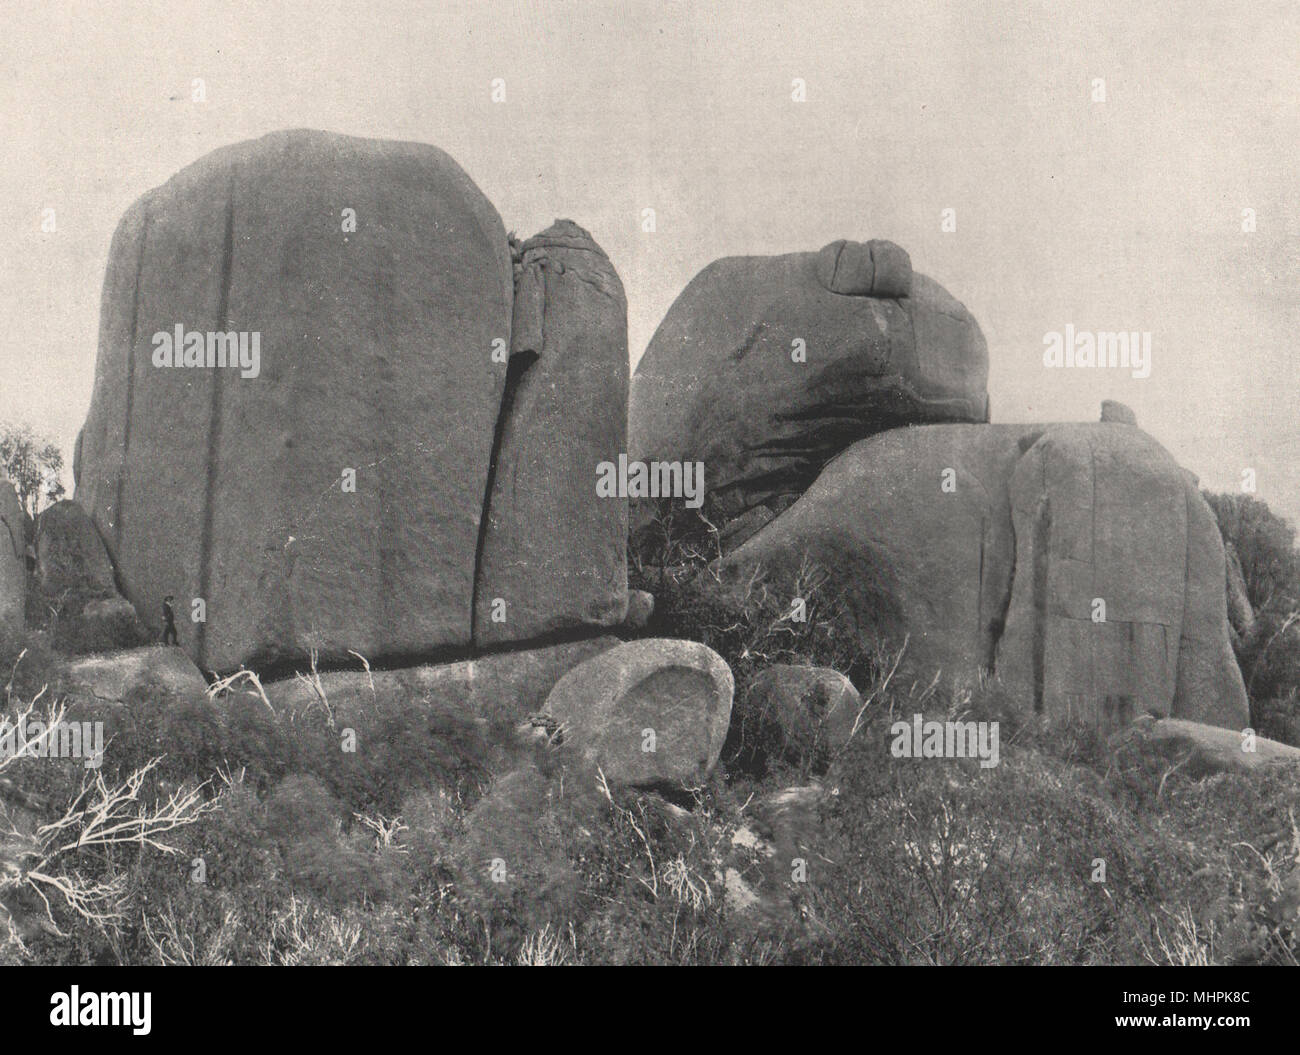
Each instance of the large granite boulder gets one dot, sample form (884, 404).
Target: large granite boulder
(1119, 604)
(652, 712)
(328, 492)
(914, 527)
(226, 483)
(70, 555)
(113, 677)
(13, 564)
(1077, 563)
(765, 368)
(555, 551)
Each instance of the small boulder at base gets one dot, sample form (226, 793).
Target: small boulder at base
(70, 554)
(500, 689)
(106, 624)
(1207, 749)
(113, 676)
(649, 713)
(640, 607)
(814, 709)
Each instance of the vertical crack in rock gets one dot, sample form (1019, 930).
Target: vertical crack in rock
(997, 624)
(516, 367)
(214, 429)
(1180, 656)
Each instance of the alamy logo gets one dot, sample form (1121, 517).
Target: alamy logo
(921, 739)
(212, 349)
(32, 738)
(76, 1008)
(1103, 349)
(655, 480)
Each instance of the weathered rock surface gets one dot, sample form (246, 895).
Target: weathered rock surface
(1210, 687)
(13, 564)
(499, 690)
(914, 558)
(813, 707)
(113, 676)
(375, 356)
(1115, 411)
(989, 548)
(720, 381)
(554, 550)
(650, 712)
(1122, 609)
(110, 622)
(1205, 749)
(70, 554)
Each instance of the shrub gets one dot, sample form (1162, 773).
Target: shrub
(1270, 658)
(296, 851)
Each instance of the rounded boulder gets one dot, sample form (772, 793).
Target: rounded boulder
(649, 713)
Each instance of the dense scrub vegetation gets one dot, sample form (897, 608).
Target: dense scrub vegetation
(219, 830)
(1265, 545)
(286, 850)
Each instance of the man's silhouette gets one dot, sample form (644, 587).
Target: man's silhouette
(169, 614)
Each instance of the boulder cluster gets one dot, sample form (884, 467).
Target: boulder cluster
(404, 473)
(398, 477)
(837, 400)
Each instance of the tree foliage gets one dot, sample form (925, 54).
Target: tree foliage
(33, 464)
(1265, 543)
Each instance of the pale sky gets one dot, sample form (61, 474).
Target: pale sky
(1117, 215)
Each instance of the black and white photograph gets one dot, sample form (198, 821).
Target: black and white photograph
(713, 484)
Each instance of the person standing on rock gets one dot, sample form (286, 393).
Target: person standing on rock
(169, 615)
